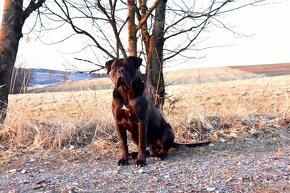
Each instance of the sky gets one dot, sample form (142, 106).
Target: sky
(268, 41)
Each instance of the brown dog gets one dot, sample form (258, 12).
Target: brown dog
(133, 111)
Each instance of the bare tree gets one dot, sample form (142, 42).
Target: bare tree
(14, 16)
(152, 26)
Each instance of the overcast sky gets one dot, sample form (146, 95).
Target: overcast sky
(268, 27)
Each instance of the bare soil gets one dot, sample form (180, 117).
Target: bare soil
(254, 164)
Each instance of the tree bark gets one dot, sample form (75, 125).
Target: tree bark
(132, 39)
(154, 69)
(10, 34)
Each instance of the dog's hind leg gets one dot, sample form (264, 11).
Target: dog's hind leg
(167, 141)
(165, 146)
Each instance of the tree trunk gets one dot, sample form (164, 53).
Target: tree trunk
(10, 34)
(132, 39)
(154, 70)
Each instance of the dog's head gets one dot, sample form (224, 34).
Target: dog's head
(124, 70)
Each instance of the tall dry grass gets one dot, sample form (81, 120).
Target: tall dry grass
(57, 120)
(198, 112)
(230, 109)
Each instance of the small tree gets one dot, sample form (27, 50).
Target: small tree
(14, 16)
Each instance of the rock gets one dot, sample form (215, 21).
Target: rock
(154, 179)
(40, 181)
(75, 183)
(141, 171)
(288, 168)
(117, 171)
(166, 176)
(276, 177)
(229, 179)
(12, 171)
(210, 189)
(37, 187)
(23, 171)
(24, 182)
(245, 94)
(31, 160)
(222, 140)
(218, 103)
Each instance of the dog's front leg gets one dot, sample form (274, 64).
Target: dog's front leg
(142, 131)
(123, 139)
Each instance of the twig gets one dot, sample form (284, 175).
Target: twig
(84, 60)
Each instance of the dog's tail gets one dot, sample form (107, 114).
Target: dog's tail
(176, 145)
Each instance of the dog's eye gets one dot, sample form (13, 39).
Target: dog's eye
(115, 67)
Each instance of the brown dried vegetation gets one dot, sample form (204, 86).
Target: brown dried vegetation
(197, 112)
(66, 141)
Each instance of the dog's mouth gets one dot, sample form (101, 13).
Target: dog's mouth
(121, 81)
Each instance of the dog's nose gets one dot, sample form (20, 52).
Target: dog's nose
(120, 70)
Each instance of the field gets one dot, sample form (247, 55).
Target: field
(187, 76)
(217, 104)
(200, 104)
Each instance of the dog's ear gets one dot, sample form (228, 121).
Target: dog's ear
(136, 60)
(108, 65)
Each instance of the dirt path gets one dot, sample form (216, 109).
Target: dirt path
(246, 165)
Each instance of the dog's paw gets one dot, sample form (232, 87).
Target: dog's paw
(133, 155)
(161, 156)
(140, 163)
(123, 162)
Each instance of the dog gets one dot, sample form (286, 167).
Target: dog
(133, 111)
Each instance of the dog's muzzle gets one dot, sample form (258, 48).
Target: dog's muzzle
(122, 81)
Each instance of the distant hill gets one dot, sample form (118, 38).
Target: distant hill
(178, 77)
(227, 73)
(266, 70)
(47, 77)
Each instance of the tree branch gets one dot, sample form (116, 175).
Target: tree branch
(84, 60)
(113, 24)
(77, 29)
(33, 5)
(145, 17)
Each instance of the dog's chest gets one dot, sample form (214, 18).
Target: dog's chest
(127, 117)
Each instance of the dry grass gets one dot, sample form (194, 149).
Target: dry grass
(57, 120)
(67, 120)
(230, 109)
